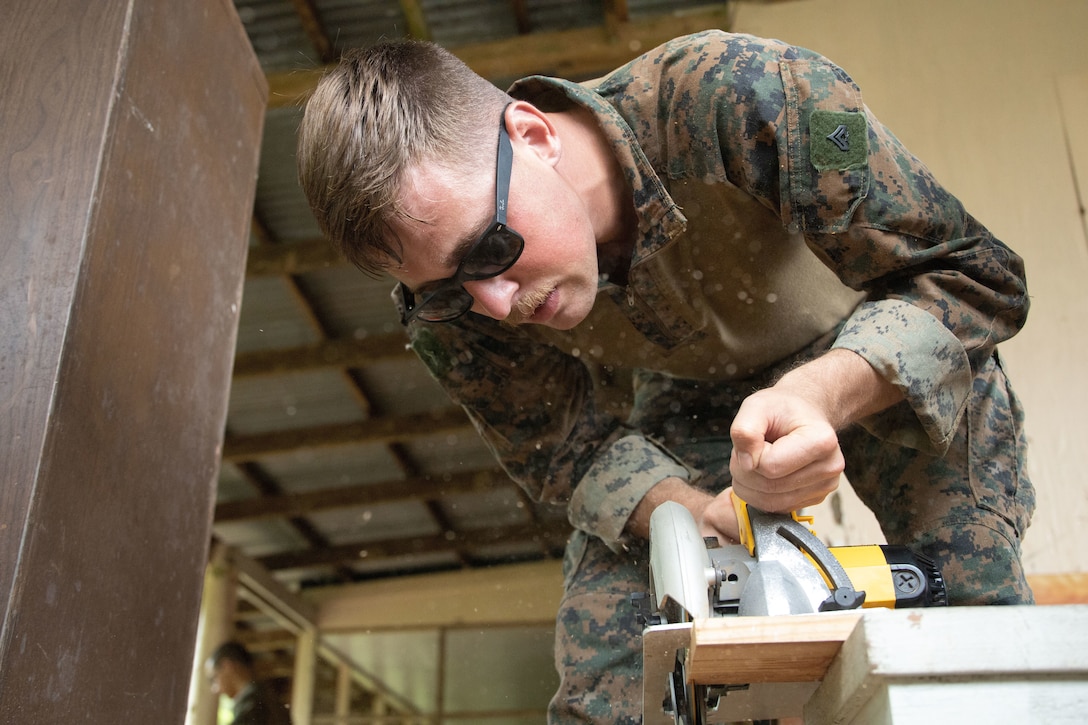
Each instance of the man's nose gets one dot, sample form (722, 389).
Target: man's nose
(493, 296)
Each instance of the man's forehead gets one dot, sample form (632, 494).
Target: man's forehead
(440, 213)
(429, 188)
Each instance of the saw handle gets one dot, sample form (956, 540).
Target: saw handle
(795, 529)
(744, 522)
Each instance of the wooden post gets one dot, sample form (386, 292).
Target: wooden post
(302, 684)
(343, 694)
(217, 608)
(128, 157)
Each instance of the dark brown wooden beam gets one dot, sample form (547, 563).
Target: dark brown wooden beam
(291, 258)
(615, 13)
(520, 9)
(577, 54)
(374, 431)
(311, 23)
(548, 536)
(327, 354)
(131, 135)
(367, 494)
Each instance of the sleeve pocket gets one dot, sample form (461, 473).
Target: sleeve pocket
(827, 146)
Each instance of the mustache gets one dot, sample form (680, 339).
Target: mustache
(528, 305)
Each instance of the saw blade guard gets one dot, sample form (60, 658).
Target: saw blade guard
(679, 564)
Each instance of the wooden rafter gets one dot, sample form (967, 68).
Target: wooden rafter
(291, 258)
(374, 431)
(347, 353)
(363, 494)
(311, 23)
(520, 10)
(546, 537)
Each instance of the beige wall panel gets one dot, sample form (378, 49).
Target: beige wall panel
(1073, 96)
(991, 95)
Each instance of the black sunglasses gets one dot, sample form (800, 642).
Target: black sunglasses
(492, 254)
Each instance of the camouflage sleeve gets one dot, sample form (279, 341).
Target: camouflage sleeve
(942, 290)
(534, 407)
(791, 128)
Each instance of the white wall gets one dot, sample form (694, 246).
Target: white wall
(993, 97)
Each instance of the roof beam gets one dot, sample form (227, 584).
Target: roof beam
(308, 17)
(615, 13)
(577, 53)
(373, 431)
(365, 494)
(270, 596)
(336, 353)
(287, 258)
(369, 551)
(520, 9)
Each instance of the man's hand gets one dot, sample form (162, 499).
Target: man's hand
(785, 448)
(718, 518)
(714, 515)
(785, 452)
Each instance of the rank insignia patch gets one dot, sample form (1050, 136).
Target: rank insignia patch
(840, 141)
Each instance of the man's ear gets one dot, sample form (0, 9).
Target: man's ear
(530, 127)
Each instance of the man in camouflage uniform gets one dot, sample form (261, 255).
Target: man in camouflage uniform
(723, 225)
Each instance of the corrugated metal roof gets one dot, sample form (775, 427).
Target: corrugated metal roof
(303, 399)
(349, 303)
(361, 23)
(277, 36)
(280, 204)
(316, 469)
(270, 318)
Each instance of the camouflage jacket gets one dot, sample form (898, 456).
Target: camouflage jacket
(773, 206)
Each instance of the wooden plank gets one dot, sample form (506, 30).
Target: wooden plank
(290, 610)
(955, 644)
(918, 642)
(758, 701)
(743, 650)
(797, 648)
(985, 702)
(1070, 588)
(856, 655)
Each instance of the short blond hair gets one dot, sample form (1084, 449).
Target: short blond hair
(379, 112)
